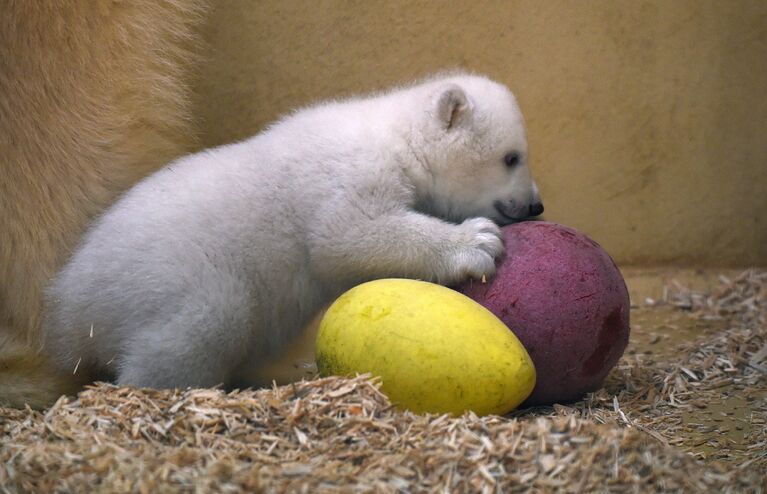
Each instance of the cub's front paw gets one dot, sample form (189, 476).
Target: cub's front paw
(478, 245)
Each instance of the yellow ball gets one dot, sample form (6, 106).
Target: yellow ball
(435, 349)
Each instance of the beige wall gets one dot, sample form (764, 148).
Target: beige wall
(647, 120)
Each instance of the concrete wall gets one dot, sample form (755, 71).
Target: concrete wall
(647, 119)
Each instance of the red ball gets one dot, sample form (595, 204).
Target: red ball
(565, 299)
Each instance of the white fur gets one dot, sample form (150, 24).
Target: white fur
(220, 258)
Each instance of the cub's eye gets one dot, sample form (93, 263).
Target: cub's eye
(512, 159)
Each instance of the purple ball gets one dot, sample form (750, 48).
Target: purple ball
(565, 299)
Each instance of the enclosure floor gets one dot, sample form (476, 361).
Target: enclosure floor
(660, 330)
(684, 410)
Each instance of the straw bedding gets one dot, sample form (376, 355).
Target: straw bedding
(693, 420)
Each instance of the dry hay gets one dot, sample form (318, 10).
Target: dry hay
(329, 435)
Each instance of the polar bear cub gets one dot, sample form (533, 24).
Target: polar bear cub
(216, 261)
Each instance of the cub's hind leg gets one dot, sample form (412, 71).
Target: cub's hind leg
(200, 346)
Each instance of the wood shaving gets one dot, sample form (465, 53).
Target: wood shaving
(653, 428)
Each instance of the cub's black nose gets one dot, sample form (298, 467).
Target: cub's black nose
(536, 209)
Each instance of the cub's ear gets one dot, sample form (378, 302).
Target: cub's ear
(453, 107)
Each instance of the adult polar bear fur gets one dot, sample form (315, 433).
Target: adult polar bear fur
(92, 99)
(213, 263)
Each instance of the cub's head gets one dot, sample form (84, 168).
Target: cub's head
(471, 142)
